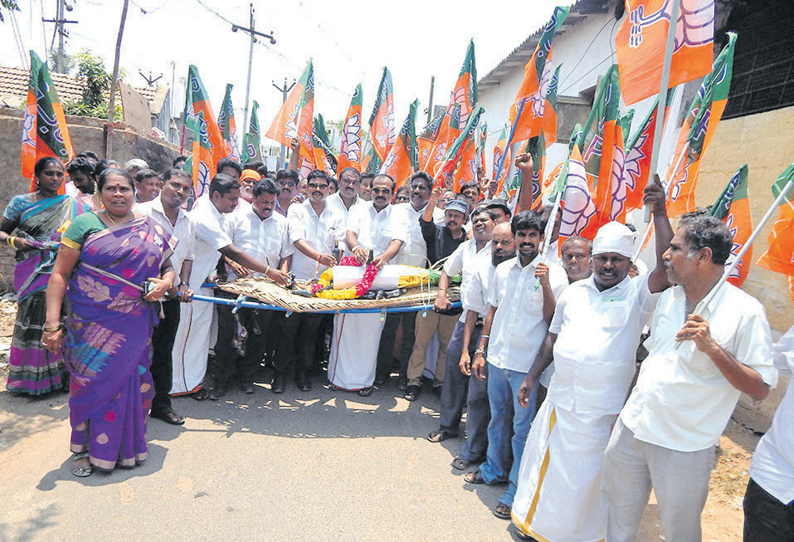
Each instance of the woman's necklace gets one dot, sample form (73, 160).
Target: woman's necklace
(111, 219)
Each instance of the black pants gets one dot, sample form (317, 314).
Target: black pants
(229, 365)
(297, 343)
(387, 338)
(766, 519)
(163, 337)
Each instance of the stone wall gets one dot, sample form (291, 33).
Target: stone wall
(87, 135)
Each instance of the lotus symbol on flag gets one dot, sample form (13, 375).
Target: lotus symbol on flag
(538, 99)
(351, 142)
(579, 207)
(291, 128)
(696, 23)
(735, 247)
(28, 129)
(618, 183)
(459, 97)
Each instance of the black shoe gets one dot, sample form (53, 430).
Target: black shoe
(381, 380)
(402, 383)
(412, 393)
(437, 391)
(247, 387)
(279, 383)
(365, 392)
(218, 391)
(303, 383)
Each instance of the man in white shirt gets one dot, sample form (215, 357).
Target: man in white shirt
(262, 234)
(522, 300)
(347, 196)
(769, 500)
(167, 211)
(354, 347)
(192, 343)
(701, 358)
(594, 337)
(412, 252)
(287, 180)
(314, 228)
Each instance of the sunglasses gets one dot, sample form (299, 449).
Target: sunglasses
(315, 186)
(379, 191)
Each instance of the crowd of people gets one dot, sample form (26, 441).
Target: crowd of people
(541, 354)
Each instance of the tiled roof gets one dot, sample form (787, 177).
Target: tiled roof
(14, 82)
(521, 54)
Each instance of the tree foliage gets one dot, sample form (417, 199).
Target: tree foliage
(10, 5)
(96, 87)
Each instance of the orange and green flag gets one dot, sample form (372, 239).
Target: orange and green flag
(779, 257)
(465, 91)
(44, 129)
(463, 144)
(579, 209)
(426, 139)
(350, 149)
(500, 153)
(733, 208)
(296, 116)
(200, 164)
(324, 157)
(252, 143)
(228, 126)
(642, 38)
(697, 130)
(381, 122)
(402, 160)
(197, 101)
(447, 133)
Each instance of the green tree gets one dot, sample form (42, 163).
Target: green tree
(96, 85)
(10, 5)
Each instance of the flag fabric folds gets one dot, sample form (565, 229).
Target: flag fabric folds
(44, 129)
(579, 210)
(733, 208)
(350, 149)
(296, 116)
(779, 257)
(641, 41)
(465, 142)
(227, 125)
(200, 165)
(324, 157)
(426, 138)
(402, 160)
(501, 153)
(252, 143)
(697, 130)
(381, 122)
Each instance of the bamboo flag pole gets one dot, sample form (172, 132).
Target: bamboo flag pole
(657, 133)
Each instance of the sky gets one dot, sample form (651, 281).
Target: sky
(349, 41)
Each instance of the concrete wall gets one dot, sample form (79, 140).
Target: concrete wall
(87, 135)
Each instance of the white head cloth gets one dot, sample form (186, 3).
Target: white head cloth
(614, 237)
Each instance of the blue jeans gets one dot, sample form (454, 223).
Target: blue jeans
(507, 416)
(766, 519)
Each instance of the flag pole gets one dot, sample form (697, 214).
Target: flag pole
(668, 58)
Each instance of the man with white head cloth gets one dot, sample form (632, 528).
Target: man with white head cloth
(593, 337)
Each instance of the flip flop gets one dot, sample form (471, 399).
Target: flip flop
(474, 478)
(502, 511)
(82, 472)
(168, 415)
(440, 436)
(201, 395)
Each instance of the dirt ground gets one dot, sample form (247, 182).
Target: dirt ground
(722, 517)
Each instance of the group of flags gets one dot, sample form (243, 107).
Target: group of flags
(601, 180)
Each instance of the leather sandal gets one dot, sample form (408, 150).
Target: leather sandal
(82, 472)
(441, 435)
(474, 478)
(502, 511)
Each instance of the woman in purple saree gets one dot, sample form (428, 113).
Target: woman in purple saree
(106, 258)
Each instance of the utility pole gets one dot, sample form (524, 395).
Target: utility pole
(59, 22)
(430, 107)
(284, 91)
(252, 33)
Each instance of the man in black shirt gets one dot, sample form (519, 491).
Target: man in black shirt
(441, 242)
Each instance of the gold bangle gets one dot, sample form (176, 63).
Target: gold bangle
(57, 328)
(10, 240)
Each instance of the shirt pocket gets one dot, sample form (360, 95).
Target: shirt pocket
(613, 313)
(273, 249)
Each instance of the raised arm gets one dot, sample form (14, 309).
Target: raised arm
(655, 199)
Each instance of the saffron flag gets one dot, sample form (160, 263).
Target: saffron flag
(44, 129)
(381, 122)
(295, 118)
(529, 107)
(603, 151)
(426, 138)
(324, 158)
(500, 153)
(197, 101)
(482, 136)
(696, 132)
(350, 154)
(579, 210)
(637, 169)
(200, 164)
(625, 125)
(733, 208)
(641, 41)
(402, 160)
(779, 257)
(463, 143)
(228, 126)
(252, 143)
(447, 134)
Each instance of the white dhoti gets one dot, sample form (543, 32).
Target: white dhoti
(559, 484)
(192, 344)
(354, 350)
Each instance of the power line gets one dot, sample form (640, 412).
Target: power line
(584, 55)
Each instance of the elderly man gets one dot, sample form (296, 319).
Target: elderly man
(522, 300)
(594, 337)
(133, 166)
(701, 358)
(354, 348)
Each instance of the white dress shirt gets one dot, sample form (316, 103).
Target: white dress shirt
(375, 230)
(465, 260)
(335, 202)
(414, 249)
(681, 400)
(597, 338)
(183, 230)
(773, 461)
(481, 278)
(264, 240)
(320, 231)
(210, 237)
(518, 327)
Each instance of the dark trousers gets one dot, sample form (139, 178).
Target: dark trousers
(163, 337)
(229, 364)
(766, 519)
(297, 343)
(386, 347)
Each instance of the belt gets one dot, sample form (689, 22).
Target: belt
(479, 322)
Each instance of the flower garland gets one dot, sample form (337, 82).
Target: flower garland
(321, 288)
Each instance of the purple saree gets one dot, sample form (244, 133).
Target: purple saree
(109, 350)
